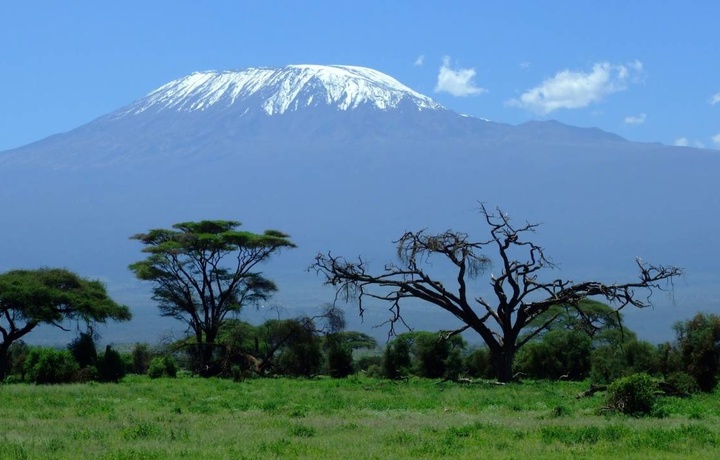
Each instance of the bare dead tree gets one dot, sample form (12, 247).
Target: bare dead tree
(519, 295)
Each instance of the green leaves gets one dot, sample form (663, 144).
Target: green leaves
(53, 295)
(209, 236)
(205, 271)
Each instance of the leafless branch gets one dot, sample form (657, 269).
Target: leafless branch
(520, 295)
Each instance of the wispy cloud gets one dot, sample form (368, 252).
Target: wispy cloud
(684, 142)
(525, 65)
(716, 140)
(420, 60)
(458, 82)
(715, 98)
(573, 89)
(635, 119)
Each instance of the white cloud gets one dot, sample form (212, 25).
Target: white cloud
(715, 98)
(420, 60)
(684, 142)
(525, 65)
(635, 119)
(572, 90)
(458, 82)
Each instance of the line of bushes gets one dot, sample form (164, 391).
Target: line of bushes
(296, 347)
(81, 362)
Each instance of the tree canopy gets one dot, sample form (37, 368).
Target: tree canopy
(52, 296)
(698, 341)
(519, 297)
(204, 271)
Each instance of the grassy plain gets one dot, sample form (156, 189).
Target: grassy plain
(355, 418)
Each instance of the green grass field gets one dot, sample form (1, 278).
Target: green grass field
(355, 418)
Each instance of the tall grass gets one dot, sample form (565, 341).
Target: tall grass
(354, 418)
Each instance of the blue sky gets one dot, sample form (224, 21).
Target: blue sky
(647, 70)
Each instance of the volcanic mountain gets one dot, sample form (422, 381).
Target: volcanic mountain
(292, 107)
(346, 159)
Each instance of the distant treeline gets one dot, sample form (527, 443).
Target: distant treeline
(298, 348)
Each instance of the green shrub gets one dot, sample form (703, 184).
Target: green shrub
(339, 357)
(683, 382)
(669, 359)
(110, 366)
(453, 365)
(302, 358)
(699, 344)
(47, 365)
(610, 362)
(632, 395)
(83, 350)
(17, 354)
(87, 374)
(364, 363)
(375, 371)
(141, 358)
(162, 366)
(479, 364)
(290, 346)
(422, 353)
(559, 353)
(396, 360)
(430, 351)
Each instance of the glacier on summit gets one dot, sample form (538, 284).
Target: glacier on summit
(283, 89)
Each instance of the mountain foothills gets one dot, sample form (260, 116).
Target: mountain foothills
(347, 159)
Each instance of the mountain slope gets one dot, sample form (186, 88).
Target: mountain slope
(348, 170)
(226, 112)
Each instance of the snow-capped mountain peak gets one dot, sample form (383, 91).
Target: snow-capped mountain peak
(279, 90)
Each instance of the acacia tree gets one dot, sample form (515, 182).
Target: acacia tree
(204, 271)
(519, 297)
(29, 298)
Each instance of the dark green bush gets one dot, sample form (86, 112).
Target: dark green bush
(87, 374)
(453, 365)
(683, 382)
(17, 354)
(669, 359)
(110, 366)
(141, 358)
(364, 363)
(698, 341)
(396, 359)
(479, 364)
(559, 353)
(610, 362)
(83, 350)
(422, 353)
(162, 366)
(289, 347)
(339, 357)
(47, 365)
(430, 352)
(632, 395)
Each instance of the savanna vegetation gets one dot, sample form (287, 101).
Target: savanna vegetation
(356, 417)
(557, 375)
(520, 293)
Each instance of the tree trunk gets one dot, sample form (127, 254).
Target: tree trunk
(503, 359)
(205, 356)
(4, 361)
